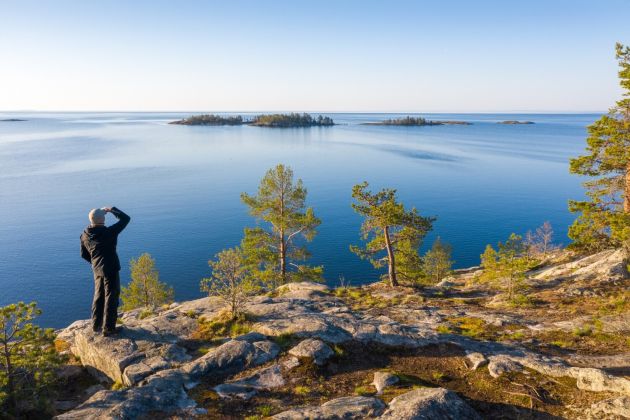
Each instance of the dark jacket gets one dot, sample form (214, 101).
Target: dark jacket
(98, 245)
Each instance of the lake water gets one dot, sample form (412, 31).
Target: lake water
(181, 186)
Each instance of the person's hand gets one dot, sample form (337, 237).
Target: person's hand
(107, 209)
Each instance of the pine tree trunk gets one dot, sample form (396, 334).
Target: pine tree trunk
(9, 373)
(626, 201)
(390, 256)
(283, 259)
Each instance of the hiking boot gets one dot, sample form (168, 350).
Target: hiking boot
(109, 333)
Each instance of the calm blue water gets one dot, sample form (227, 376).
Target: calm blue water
(181, 186)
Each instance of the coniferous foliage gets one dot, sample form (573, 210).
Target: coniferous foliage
(604, 219)
(145, 290)
(210, 119)
(437, 261)
(274, 251)
(28, 361)
(291, 120)
(393, 233)
(231, 280)
(409, 121)
(505, 267)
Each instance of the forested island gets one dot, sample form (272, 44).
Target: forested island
(415, 121)
(263, 120)
(514, 122)
(210, 119)
(291, 120)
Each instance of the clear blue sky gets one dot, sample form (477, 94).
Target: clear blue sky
(343, 55)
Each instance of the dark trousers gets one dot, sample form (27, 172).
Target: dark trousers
(105, 303)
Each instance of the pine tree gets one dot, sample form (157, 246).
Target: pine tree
(28, 360)
(145, 289)
(506, 267)
(393, 233)
(231, 280)
(437, 261)
(604, 220)
(273, 251)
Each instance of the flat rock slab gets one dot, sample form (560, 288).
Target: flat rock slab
(233, 356)
(314, 349)
(245, 388)
(340, 408)
(430, 404)
(611, 409)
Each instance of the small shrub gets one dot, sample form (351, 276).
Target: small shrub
(223, 325)
(145, 313)
(301, 390)
(364, 391)
(444, 329)
(582, 331)
(117, 386)
(265, 410)
(339, 351)
(438, 376)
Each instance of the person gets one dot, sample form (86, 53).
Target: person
(98, 247)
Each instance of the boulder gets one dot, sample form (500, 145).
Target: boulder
(498, 365)
(162, 392)
(314, 349)
(245, 388)
(383, 380)
(430, 404)
(611, 409)
(592, 379)
(233, 356)
(476, 360)
(340, 408)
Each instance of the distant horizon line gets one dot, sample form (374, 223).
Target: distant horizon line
(300, 112)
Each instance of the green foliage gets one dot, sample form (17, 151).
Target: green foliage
(407, 121)
(437, 261)
(231, 280)
(223, 325)
(365, 391)
(272, 253)
(393, 234)
(506, 267)
(302, 390)
(145, 289)
(604, 219)
(210, 119)
(291, 120)
(28, 360)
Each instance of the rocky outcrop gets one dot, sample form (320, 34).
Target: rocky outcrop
(313, 349)
(340, 408)
(153, 356)
(383, 380)
(429, 403)
(245, 388)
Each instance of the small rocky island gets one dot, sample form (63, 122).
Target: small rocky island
(264, 120)
(514, 122)
(415, 122)
(12, 120)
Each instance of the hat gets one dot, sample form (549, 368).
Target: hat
(97, 216)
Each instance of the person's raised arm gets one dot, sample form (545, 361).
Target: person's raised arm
(123, 219)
